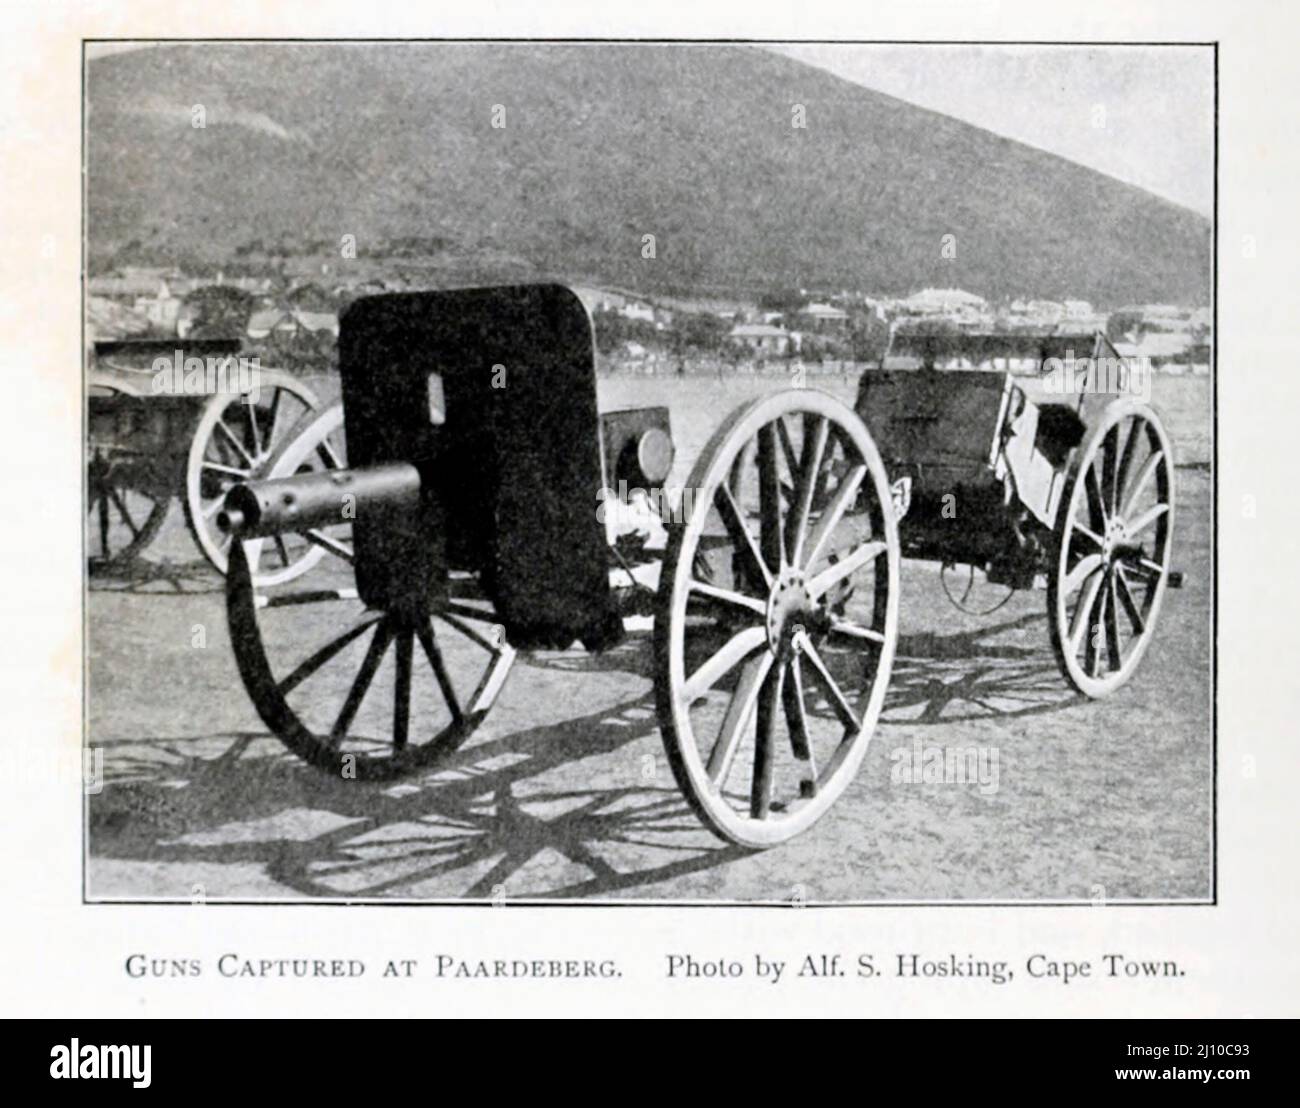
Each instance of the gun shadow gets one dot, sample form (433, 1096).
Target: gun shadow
(146, 577)
(461, 831)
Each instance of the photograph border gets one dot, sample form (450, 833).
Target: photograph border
(534, 901)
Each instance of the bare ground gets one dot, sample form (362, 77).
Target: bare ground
(565, 792)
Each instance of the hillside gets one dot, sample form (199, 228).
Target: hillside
(603, 144)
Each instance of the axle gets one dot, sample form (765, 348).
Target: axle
(262, 509)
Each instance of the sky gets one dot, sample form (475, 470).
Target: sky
(1142, 114)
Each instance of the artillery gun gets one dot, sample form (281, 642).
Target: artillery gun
(455, 492)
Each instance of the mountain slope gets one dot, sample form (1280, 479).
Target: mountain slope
(604, 144)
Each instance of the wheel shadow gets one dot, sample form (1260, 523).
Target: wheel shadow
(631, 656)
(963, 676)
(491, 821)
(582, 808)
(145, 577)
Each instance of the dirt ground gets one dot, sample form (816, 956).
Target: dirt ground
(564, 792)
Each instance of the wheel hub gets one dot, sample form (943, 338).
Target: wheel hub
(1117, 545)
(791, 611)
(1115, 539)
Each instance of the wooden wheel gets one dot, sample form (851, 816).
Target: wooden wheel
(125, 504)
(234, 441)
(1112, 549)
(360, 692)
(778, 617)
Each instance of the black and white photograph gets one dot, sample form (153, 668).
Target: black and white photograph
(663, 472)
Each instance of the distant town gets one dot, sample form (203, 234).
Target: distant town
(293, 320)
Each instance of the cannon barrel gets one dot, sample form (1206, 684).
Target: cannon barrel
(261, 509)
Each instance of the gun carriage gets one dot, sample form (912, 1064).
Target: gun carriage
(1073, 491)
(456, 493)
(149, 444)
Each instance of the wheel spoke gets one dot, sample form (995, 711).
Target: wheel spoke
(1096, 502)
(853, 630)
(796, 719)
(232, 471)
(273, 415)
(402, 691)
(835, 697)
(324, 541)
(1147, 568)
(282, 550)
(234, 441)
(1146, 519)
(849, 564)
(1126, 463)
(104, 525)
(466, 611)
(760, 793)
(834, 511)
(1083, 569)
(121, 507)
(771, 529)
(1089, 534)
(815, 436)
(328, 455)
(1079, 623)
(1140, 482)
(1126, 599)
(361, 685)
(1109, 468)
(431, 651)
(727, 596)
(469, 632)
(1092, 649)
(323, 655)
(733, 652)
(1112, 627)
(734, 723)
(787, 448)
(250, 410)
(741, 538)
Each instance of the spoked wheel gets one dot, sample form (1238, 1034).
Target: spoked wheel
(778, 617)
(234, 441)
(1113, 546)
(365, 693)
(125, 503)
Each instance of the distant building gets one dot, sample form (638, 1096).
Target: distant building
(150, 294)
(600, 300)
(1159, 346)
(762, 338)
(943, 302)
(1045, 311)
(639, 310)
(280, 321)
(956, 306)
(110, 319)
(130, 286)
(825, 317)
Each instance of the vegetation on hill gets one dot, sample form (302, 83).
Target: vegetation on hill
(360, 153)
